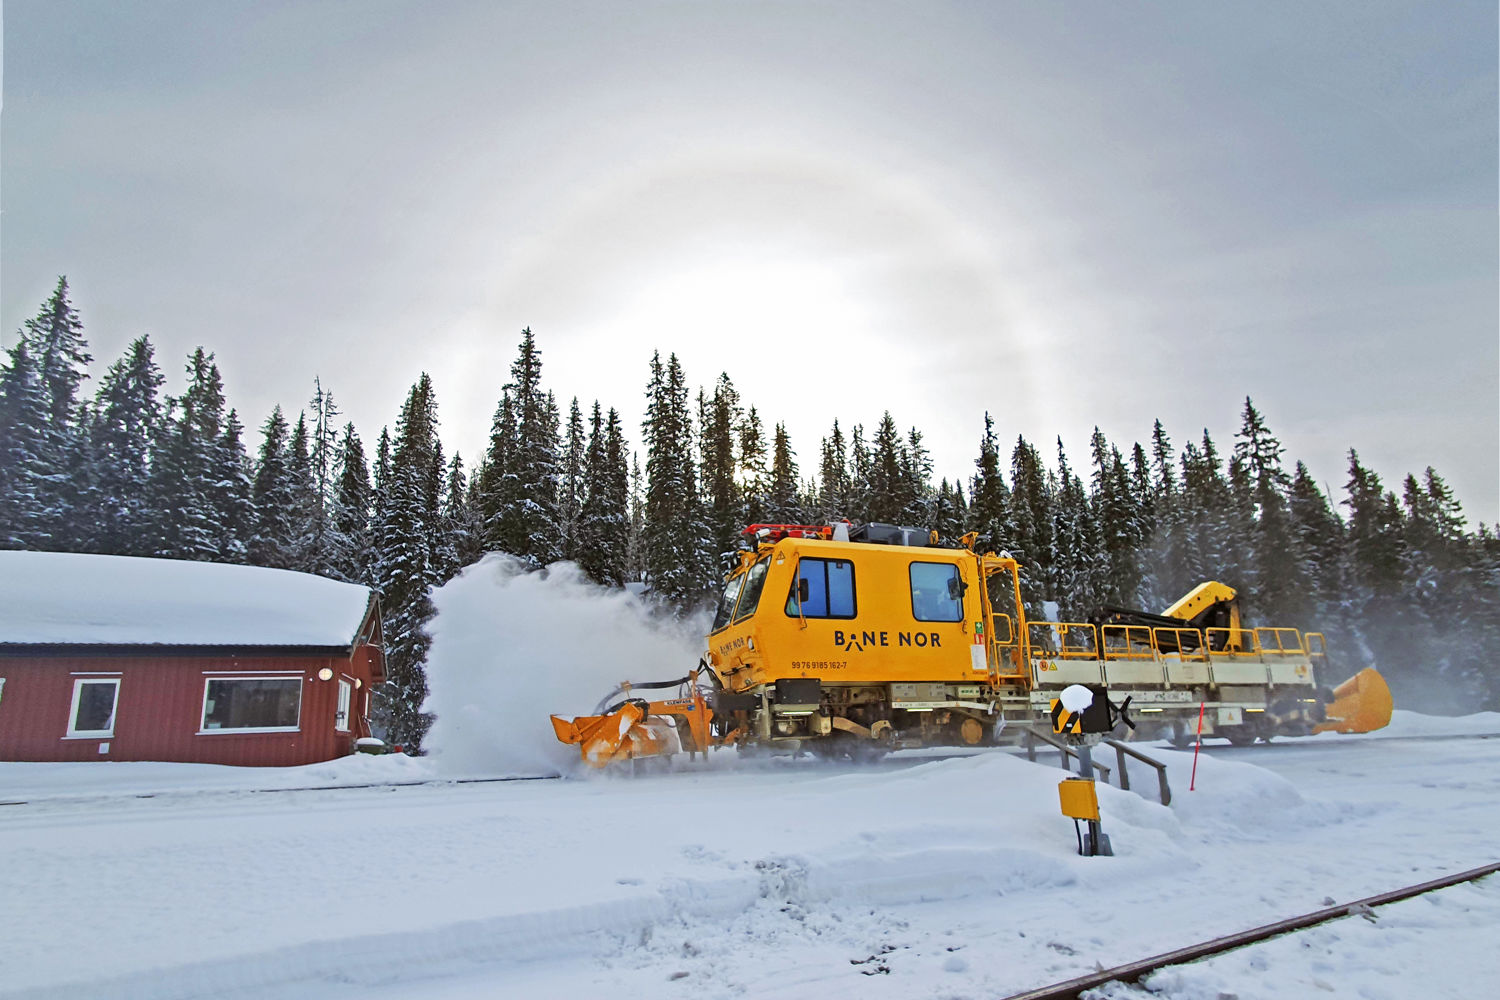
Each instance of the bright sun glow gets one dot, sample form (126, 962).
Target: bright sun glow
(773, 325)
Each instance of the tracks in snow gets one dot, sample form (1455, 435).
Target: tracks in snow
(1133, 972)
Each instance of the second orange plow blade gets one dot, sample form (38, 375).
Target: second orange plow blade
(1361, 704)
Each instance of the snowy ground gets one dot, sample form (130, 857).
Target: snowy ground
(945, 878)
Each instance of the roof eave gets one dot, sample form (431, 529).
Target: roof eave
(14, 649)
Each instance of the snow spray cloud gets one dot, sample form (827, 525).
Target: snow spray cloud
(511, 647)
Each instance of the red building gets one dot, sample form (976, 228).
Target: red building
(119, 658)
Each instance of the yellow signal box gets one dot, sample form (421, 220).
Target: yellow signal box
(1079, 799)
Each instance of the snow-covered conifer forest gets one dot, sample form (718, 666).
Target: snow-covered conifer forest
(109, 461)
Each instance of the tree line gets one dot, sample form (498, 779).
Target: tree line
(1395, 581)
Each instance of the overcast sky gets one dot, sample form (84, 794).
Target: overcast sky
(1067, 214)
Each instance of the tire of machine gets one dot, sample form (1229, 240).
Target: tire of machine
(1240, 736)
(971, 732)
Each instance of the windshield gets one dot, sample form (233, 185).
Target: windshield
(726, 603)
(755, 582)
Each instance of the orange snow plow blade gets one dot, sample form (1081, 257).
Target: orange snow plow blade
(638, 728)
(1361, 704)
(620, 735)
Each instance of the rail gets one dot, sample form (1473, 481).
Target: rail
(1279, 640)
(1032, 734)
(1128, 642)
(1232, 642)
(1186, 643)
(1123, 750)
(1134, 971)
(1065, 640)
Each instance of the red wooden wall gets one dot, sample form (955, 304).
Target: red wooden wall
(160, 708)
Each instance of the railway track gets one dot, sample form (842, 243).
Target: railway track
(895, 762)
(1133, 972)
(184, 793)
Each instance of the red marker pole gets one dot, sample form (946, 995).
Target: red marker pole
(1196, 747)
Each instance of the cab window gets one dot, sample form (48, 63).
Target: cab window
(936, 592)
(824, 588)
(726, 604)
(755, 582)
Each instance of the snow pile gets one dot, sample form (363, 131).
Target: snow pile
(1232, 797)
(1404, 723)
(771, 877)
(510, 648)
(32, 781)
(69, 597)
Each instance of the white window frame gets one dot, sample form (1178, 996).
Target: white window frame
(203, 729)
(345, 705)
(92, 734)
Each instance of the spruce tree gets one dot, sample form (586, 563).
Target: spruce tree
(719, 419)
(305, 552)
(55, 338)
(635, 553)
(888, 486)
(1116, 572)
(949, 516)
(1321, 543)
(589, 549)
(1080, 565)
(185, 468)
(350, 539)
(1031, 508)
(676, 539)
(604, 522)
(1164, 546)
(989, 503)
(274, 491)
(127, 417)
(784, 504)
(496, 465)
(56, 471)
(1206, 518)
(526, 523)
(1277, 565)
(459, 542)
(620, 531)
(857, 499)
(317, 533)
(834, 494)
(231, 493)
(28, 455)
(914, 490)
(573, 484)
(1148, 594)
(1374, 531)
(753, 475)
(405, 565)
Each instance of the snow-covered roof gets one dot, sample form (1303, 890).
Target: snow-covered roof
(72, 598)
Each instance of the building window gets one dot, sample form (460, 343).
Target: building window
(260, 704)
(341, 717)
(93, 711)
(824, 588)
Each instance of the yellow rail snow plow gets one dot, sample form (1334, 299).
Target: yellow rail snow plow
(853, 641)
